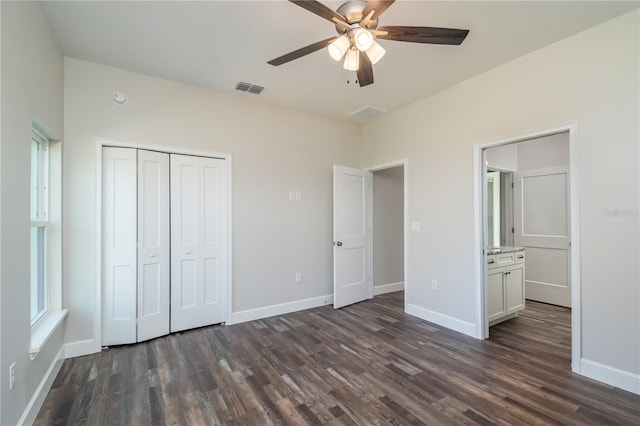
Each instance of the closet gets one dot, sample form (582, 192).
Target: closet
(164, 243)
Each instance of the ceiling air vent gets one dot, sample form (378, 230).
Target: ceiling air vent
(366, 113)
(248, 87)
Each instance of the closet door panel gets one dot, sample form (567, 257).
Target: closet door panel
(197, 240)
(188, 284)
(213, 198)
(119, 223)
(153, 244)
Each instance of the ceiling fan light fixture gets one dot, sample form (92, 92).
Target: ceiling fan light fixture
(352, 60)
(375, 52)
(362, 38)
(339, 47)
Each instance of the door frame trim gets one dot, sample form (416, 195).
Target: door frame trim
(405, 226)
(100, 143)
(479, 203)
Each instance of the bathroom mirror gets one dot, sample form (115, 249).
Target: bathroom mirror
(499, 208)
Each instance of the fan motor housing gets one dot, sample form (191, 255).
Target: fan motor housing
(352, 12)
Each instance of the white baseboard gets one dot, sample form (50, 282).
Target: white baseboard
(280, 309)
(452, 323)
(33, 407)
(610, 375)
(80, 348)
(388, 288)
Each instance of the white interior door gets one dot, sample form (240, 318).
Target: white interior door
(153, 244)
(542, 226)
(198, 242)
(119, 245)
(352, 194)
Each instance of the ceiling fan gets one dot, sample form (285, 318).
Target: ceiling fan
(356, 22)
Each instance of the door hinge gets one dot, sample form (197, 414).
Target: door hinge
(512, 185)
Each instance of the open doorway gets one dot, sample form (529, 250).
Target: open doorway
(534, 183)
(388, 230)
(356, 278)
(540, 261)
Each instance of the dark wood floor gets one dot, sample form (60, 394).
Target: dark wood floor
(367, 364)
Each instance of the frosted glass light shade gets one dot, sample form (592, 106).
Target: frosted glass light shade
(375, 52)
(352, 60)
(339, 47)
(362, 39)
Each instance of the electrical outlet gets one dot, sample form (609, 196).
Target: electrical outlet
(298, 277)
(434, 284)
(12, 375)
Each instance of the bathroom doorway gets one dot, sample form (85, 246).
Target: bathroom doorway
(543, 166)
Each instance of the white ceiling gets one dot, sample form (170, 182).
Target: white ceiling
(214, 44)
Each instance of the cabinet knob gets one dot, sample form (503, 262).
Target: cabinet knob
(188, 252)
(152, 255)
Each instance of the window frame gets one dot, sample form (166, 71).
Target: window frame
(49, 218)
(39, 221)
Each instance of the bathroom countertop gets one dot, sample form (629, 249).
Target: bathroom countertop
(502, 249)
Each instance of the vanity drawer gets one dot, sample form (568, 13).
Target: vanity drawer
(504, 259)
(519, 257)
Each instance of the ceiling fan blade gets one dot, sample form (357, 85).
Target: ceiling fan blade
(378, 5)
(300, 52)
(319, 9)
(431, 35)
(365, 70)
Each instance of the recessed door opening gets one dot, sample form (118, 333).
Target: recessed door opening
(526, 216)
(369, 235)
(388, 230)
(164, 257)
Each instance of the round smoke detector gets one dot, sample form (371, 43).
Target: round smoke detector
(119, 98)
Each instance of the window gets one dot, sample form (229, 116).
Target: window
(45, 240)
(39, 224)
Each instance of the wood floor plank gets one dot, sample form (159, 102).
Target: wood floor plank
(366, 364)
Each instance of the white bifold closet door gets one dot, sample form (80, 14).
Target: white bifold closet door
(164, 244)
(198, 241)
(135, 248)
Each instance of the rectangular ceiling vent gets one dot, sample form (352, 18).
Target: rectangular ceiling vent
(248, 87)
(366, 113)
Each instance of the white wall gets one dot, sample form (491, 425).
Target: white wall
(32, 92)
(273, 151)
(388, 226)
(590, 78)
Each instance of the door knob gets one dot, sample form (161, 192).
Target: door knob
(188, 252)
(152, 255)
(339, 243)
